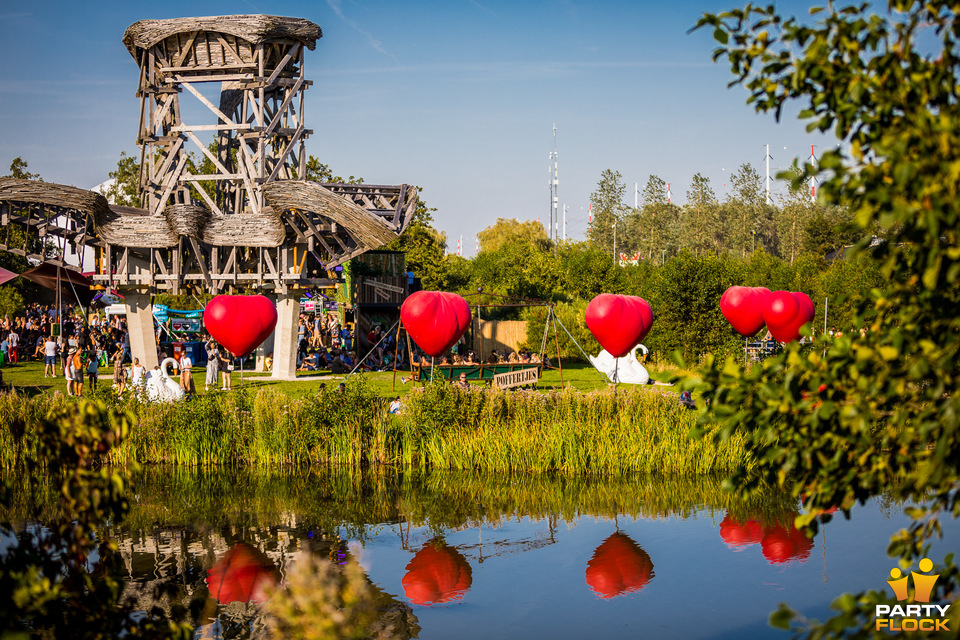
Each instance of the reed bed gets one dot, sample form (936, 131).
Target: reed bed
(440, 427)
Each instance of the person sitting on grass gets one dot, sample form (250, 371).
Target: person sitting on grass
(395, 405)
(686, 400)
(309, 362)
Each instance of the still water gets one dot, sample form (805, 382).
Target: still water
(467, 556)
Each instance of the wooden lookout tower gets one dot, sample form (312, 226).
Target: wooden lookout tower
(245, 217)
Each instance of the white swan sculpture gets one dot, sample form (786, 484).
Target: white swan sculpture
(160, 386)
(626, 369)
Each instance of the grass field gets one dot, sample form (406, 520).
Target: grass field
(28, 378)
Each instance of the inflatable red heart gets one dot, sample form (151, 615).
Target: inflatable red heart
(617, 322)
(785, 313)
(240, 323)
(743, 308)
(646, 314)
(435, 320)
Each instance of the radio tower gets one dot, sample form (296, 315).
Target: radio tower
(554, 183)
(813, 181)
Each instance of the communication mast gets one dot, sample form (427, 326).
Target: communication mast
(554, 182)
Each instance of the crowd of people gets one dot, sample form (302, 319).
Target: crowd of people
(79, 349)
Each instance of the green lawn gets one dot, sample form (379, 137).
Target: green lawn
(28, 377)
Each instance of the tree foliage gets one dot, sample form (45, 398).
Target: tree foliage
(608, 210)
(853, 417)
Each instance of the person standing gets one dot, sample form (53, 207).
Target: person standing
(93, 371)
(226, 364)
(69, 371)
(50, 357)
(137, 372)
(12, 340)
(186, 374)
(119, 373)
(213, 366)
(78, 367)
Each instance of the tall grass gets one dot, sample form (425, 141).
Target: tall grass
(441, 427)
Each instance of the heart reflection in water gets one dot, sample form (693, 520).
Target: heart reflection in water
(618, 566)
(241, 575)
(438, 573)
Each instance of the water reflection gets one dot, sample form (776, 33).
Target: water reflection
(738, 535)
(618, 566)
(784, 545)
(438, 573)
(780, 543)
(515, 549)
(241, 575)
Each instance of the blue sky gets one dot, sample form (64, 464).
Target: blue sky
(458, 97)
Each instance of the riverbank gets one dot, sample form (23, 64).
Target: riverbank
(635, 430)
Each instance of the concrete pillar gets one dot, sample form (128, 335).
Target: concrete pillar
(285, 336)
(143, 340)
(267, 346)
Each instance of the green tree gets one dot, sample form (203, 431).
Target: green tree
(856, 417)
(608, 209)
(18, 169)
(744, 210)
(650, 231)
(698, 226)
(11, 301)
(793, 217)
(510, 232)
(317, 171)
(125, 190)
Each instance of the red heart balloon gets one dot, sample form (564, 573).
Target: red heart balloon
(240, 323)
(785, 312)
(743, 308)
(646, 314)
(617, 322)
(435, 320)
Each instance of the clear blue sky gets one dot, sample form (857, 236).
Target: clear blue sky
(458, 97)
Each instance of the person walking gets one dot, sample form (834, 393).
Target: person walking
(186, 374)
(213, 366)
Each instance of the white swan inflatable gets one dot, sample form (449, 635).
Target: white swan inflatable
(160, 387)
(626, 369)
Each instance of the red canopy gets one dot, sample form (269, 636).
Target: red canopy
(6, 276)
(618, 566)
(437, 574)
(49, 275)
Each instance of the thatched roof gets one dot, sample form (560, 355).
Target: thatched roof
(252, 28)
(369, 229)
(54, 195)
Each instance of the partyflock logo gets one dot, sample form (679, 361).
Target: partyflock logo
(913, 617)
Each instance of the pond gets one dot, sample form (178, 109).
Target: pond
(458, 555)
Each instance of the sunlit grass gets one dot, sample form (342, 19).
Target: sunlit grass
(630, 430)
